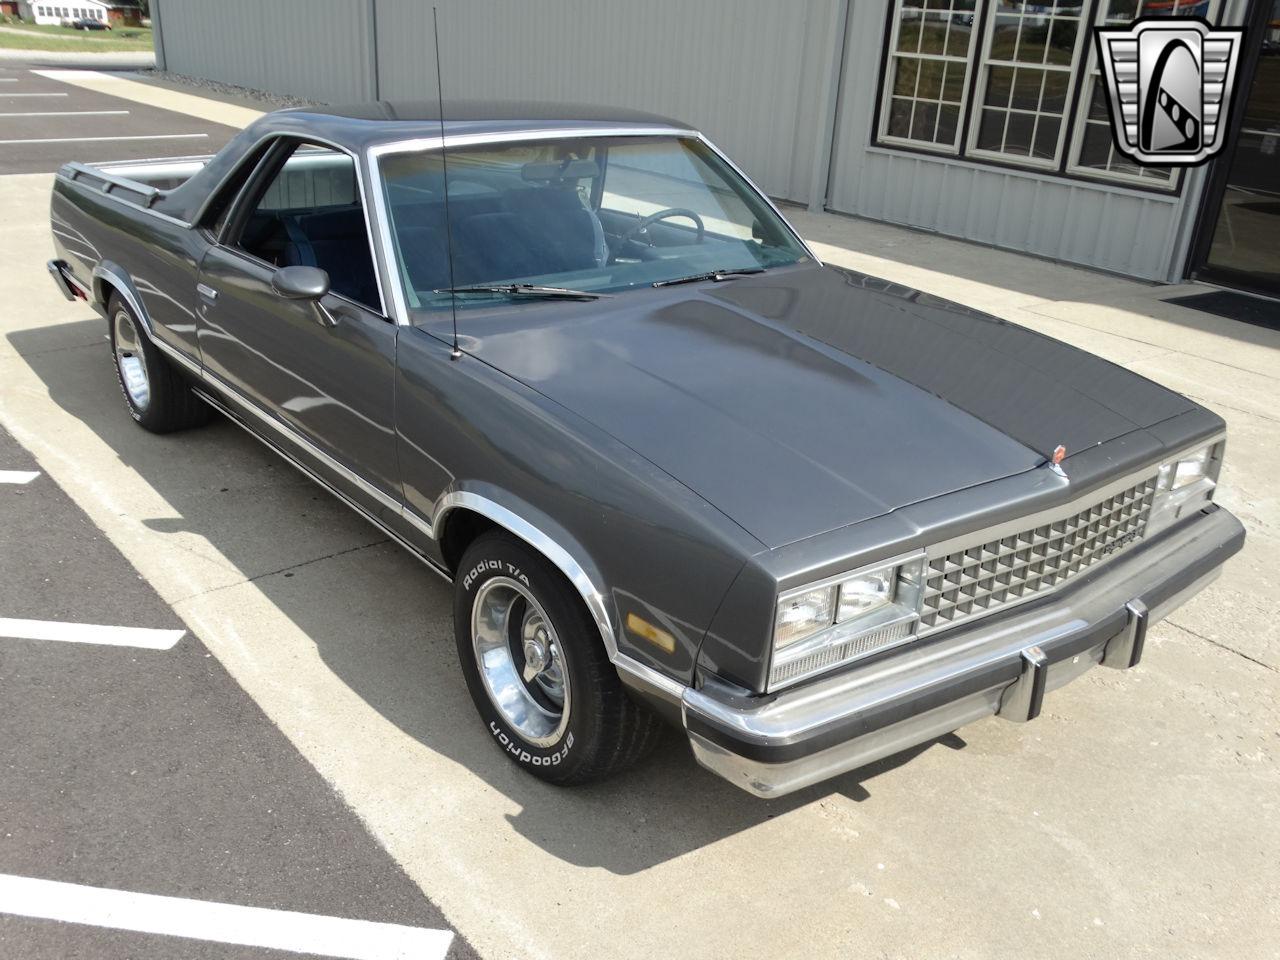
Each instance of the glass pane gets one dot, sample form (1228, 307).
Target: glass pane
(948, 123)
(1122, 11)
(958, 35)
(1046, 144)
(953, 83)
(999, 86)
(934, 34)
(1004, 38)
(930, 80)
(1026, 88)
(937, 4)
(1062, 41)
(922, 122)
(1098, 100)
(899, 117)
(904, 80)
(1096, 148)
(1017, 136)
(1053, 98)
(991, 129)
(1031, 40)
(516, 214)
(909, 31)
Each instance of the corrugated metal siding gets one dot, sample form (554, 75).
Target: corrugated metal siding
(1095, 225)
(746, 72)
(318, 49)
(732, 68)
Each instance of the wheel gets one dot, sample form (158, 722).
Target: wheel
(537, 670)
(157, 396)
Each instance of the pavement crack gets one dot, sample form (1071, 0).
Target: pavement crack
(273, 573)
(1223, 646)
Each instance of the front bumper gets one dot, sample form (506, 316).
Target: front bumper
(1003, 664)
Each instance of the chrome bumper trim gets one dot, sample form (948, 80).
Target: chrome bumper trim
(1004, 665)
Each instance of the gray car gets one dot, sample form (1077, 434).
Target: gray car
(675, 466)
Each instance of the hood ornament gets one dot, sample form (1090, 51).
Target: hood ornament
(1055, 462)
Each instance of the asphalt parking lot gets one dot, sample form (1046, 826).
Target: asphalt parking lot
(45, 122)
(133, 765)
(1132, 819)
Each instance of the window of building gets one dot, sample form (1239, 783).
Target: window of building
(929, 51)
(1012, 82)
(1093, 152)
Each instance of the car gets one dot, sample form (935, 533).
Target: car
(87, 23)
(676, 468)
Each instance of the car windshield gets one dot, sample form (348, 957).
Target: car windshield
(574, 219)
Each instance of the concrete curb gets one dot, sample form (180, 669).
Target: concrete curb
(115, 60)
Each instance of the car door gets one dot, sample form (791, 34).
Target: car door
(315, 377)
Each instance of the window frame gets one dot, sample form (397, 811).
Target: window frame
(884, 105)
(1080, 123)
(265, 169)
(1066, 167)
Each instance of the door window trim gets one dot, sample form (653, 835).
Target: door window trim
(269, 166)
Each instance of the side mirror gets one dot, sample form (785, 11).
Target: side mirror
(300, 283)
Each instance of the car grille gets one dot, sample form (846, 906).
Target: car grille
(986, 576)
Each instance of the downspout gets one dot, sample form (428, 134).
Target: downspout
(829, 106)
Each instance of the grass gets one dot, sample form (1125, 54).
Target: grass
(31, 36)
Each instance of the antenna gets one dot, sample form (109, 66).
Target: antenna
(455, 354)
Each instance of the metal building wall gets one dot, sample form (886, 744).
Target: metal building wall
(318, 49)
(749, 73)
(1112, 228)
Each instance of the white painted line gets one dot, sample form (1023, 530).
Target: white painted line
(18, 476)
(158, 136)
(34, 94)
(220, 922)
(70, 113)
(8, 79)
(144, 637)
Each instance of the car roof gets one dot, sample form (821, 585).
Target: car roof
(366, 124)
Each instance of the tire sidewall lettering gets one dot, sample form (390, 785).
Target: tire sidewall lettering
(521, 753)
(499, 567)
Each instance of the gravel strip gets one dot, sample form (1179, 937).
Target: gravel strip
(217, 88)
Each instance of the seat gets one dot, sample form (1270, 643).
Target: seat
(495, 246)
(335, 241)
(571, 234)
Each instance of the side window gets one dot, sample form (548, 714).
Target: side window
(310, 214)
(219, 209)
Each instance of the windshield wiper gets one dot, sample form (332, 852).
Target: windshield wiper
(527, 290)
(716, 275)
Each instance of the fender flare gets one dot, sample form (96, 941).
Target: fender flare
(568, 556)
(108, 274)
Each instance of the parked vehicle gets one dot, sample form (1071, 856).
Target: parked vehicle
(88, 23)
(675, 466)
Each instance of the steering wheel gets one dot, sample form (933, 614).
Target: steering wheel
(644, 223)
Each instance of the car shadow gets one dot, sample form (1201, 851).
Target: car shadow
(390, 640)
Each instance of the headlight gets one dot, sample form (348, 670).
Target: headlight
(827, 624)
(1185, 484)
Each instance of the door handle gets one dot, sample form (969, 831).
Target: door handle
(206, 291)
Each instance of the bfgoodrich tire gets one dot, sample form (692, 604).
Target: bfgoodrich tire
(537, 670)
(155, 393)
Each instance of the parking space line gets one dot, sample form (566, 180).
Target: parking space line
(156, 136)
(220, 922)
(7, 95)
(69, 113)
(18, 476)
(148, 638)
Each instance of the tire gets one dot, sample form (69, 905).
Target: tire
(508, 591)
(157, 396)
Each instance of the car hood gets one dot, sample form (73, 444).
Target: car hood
(810, 398)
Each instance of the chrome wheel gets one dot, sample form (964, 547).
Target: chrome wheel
(520, 660)
(133, 368)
